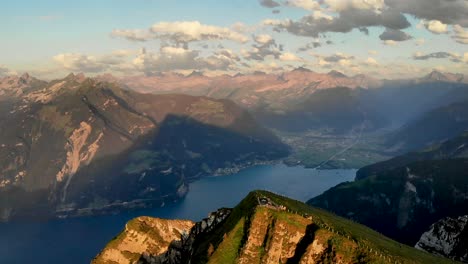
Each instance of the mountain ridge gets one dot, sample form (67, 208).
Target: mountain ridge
(265, 227)
(110, 146)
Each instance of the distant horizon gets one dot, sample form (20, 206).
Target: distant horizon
(187, 74)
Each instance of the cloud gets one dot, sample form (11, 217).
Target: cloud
(287, 56)
(264, 46)
(304, 4)
(394, 35)
(175, 58)
(341, 5)
(309, 46)
(269, 3)
(264, 39)
(5, 71)
(446, 11)
(168, 58)
(371, 61)
(372, 52)
(435, 26)
(390, 42)
(438, 55)
(132, 34)
(265, 67)
(337, 57)
(343, 16)
(346, 21)
(188, 31)
(335, 60)
(83, 63)
(460, 34)
(181, 32)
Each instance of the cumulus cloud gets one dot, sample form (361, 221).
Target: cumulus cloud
(269, 3)
(175, 58)
(311, 45)
(337, 57)
(168, 58)
(341, 5)
(82, 63)
(394, 35)
(288, 56)
(264, 46)
(343, 16)
(264, 39)
(460, 34)
(446, 11)
(438, 55)
(187, 31)
(304, 4)
(334, 60)
(132, 34)
(371, 61)
(390, 42)
(347, 20)
(181, 32)
(435, 26)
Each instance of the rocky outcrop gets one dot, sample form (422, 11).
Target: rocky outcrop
(179, 251)
(267, 228)
(143, 236)
(448, 238)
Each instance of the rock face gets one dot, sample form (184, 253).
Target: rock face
(143, 236)
(267, 228)
(79, 146)
(447, 237)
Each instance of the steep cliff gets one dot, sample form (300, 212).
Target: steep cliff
(143, 236)
(267, 228)
(447, 237)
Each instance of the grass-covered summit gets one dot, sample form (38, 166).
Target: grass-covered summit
(269, 228)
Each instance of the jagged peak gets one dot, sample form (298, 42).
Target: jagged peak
(195, 74)
(301, 69)
(25, 76)
(337, 74)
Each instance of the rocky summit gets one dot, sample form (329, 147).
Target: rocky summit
(262, 228)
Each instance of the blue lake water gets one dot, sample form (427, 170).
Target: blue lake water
(78, 240)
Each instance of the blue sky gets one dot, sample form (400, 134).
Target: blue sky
(51, 38)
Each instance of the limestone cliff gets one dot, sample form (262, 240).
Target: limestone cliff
(143, 236)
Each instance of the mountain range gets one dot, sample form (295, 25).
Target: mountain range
(274, 98)
(80, 146)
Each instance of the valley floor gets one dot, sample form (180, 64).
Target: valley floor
(315, 149)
